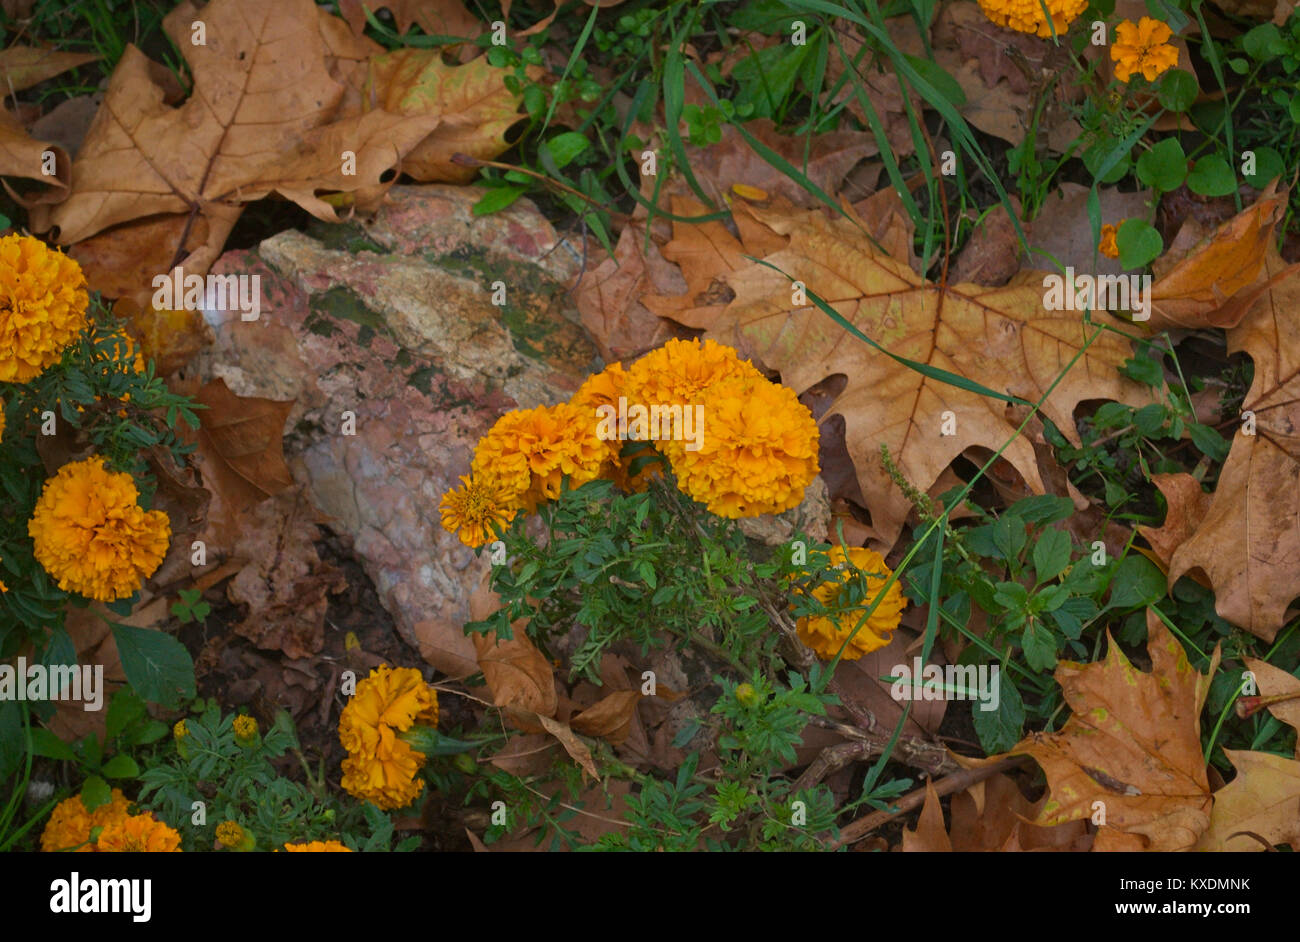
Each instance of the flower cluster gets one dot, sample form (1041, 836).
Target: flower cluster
(1143, 47)
(826, 634)
(381, 767)
(1026, 16)
(110, 827)
(318, 847)
(91, 534)
(757, 456)
(760, 452)
(43, 305)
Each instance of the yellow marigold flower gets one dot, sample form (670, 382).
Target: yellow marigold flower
(245, 728)
(758, 450)
(605, 389)
(531, 450)
(475, 510)
(1026, 16)
(230, 833)
(2, 420)
(380, 767)
(91, 534)
(826, 633)
(42, 306)
(70, 824)
(1143, 47)
(318, 847)
(181, 729)
(1108, 246)
(141, 832)
(681, 370)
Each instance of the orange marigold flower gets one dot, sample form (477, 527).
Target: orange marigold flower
(605, 389)
(91, 534)
(70, 824)
(141, 832)
(1108, 246)
(380, 767)
(477, 509)
(531, 450)
(42, 306)
(1026, 16)
(681, 370)
(826, 633)
(318, 847)
(758, 449)
(1143, 47)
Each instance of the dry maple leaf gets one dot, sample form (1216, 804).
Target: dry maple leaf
(1257, 809)
(472, 102)
(1248, 542)
(262, 118)
(1133, 744)
(1000, 338)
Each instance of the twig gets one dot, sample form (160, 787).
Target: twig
(956, 782)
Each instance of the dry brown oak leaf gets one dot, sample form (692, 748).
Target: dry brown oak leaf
(1001, 338)
(1133, 744)
(1259, 808)
(259, 119)
(1248, 543)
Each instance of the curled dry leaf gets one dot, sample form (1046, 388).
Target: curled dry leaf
(517, 673)
(575, 747)
(1248, 541)
(1133, 744)
(1197, 291)
(240, 453)
(1000, 338)
(610, 718)
(21, 156)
